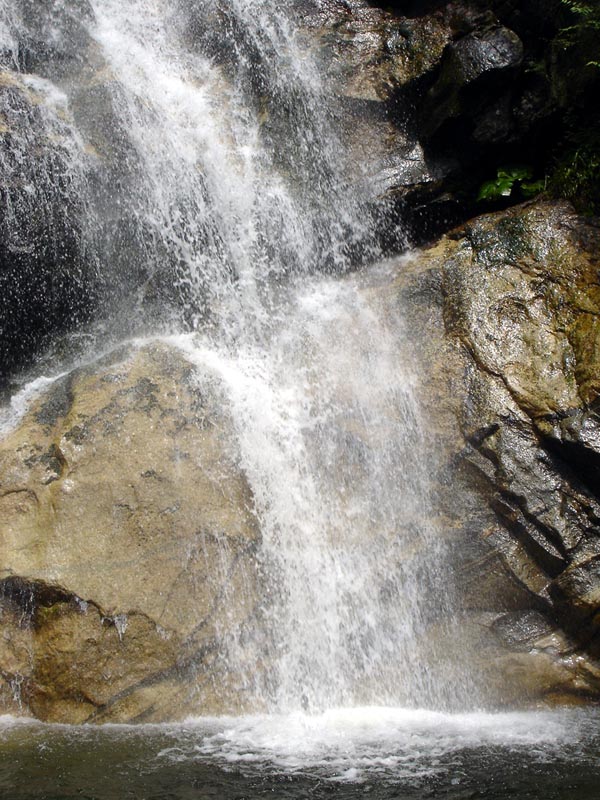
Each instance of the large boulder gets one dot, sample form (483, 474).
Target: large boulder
(474, 77)
(512, 390)
(129, 579)
(127, 542)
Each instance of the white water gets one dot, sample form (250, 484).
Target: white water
(20, 402)
(353, 744)
(333, 447)
(237, 197)
(228, 168)
(461, 755)
(245, 180)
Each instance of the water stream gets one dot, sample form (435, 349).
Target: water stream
(336, 455)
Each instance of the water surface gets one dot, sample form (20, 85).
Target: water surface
(346, 753)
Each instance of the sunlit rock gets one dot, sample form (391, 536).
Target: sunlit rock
(520, 304)
(127, 543)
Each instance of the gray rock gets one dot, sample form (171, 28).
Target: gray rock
(466, 70)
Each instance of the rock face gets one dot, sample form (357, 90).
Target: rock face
(375, 63)
(468, 68)
(44, 281)
(130, 585)
(127, 535)
(520, 300)
(66, 161)
(369, 52)
(439, 95)
(127, 543)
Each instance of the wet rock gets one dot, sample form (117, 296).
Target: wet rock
(509, 388)
(375, 62)
(520, 289)
(54, 37)
(370, 53)
(511, 523)
(465, 83)
(577, 590)
(45, 283)
(66, 160)
(127, 544)
(434, 97)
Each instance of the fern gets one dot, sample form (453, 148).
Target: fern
(588, 21)
(588, 15)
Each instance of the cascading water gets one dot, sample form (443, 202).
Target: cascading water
(334, 449)
(220, 192)
(245, 182)
(240, 174)
(48, 257)
(174, 169)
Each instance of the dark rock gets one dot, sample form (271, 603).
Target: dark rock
(368, 53)
(63, 51)
(66, 159)
(472, 84)
(576, 439)
(577, 591)
(522, 629)
(45, 279)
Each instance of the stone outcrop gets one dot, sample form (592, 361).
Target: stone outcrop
(127, 542)
(375, 62)
(370, 53)
(440, 95)
(66, 159)
(513, 386)
(45, 282)
(129, 584)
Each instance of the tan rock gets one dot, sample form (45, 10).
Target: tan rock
(509, 386)
(127, 538)
(521, 303)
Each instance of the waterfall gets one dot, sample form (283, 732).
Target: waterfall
(238, 170)
(212, 194)
(335, 451)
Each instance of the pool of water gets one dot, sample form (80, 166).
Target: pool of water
(352, 753)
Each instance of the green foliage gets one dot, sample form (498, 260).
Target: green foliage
(577, 178)
(588, 13)
(511, 181)
(572, 167)
(576, 173)
(586, 26)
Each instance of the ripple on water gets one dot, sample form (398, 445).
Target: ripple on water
(383, 752)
